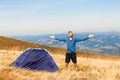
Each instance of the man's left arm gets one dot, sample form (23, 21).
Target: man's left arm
(89, 36)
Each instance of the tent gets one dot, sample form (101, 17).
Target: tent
(36, 59)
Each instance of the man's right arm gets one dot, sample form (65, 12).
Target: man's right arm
(58, 38)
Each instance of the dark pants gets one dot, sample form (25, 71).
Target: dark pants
(71, 56)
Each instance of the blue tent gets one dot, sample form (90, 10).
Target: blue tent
(36, 59)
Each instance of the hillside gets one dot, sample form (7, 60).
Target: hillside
(92, 66)
(90, 69)
(15, 44)
(9, 43)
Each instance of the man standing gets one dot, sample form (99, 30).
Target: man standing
(71, 49)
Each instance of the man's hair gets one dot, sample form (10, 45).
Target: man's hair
(70, 32)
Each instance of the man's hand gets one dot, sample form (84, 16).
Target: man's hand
(52, 37)
(91, 35)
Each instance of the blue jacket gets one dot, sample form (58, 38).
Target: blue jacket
(70, 43)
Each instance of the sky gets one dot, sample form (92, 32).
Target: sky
(34, 17)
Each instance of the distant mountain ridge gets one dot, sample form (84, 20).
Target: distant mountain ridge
(103, 42)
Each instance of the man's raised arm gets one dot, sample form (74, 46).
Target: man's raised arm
(58, 38)
(89, 36)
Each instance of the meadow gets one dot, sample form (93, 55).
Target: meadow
(92, 66)
(89, 69)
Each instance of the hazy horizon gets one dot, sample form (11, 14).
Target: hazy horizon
(28, 17)
(46, 34)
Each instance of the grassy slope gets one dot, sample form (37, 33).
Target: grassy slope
(8, 43)
(14, 44)
(92, 66)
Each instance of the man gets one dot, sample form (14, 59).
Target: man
(71, 50)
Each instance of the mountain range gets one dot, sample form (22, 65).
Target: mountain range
(103, 42)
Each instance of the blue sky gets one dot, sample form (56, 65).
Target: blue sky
(34, 17)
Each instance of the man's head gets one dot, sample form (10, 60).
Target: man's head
(70, 34)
